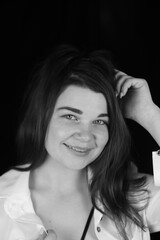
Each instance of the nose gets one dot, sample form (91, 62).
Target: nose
(84, 133)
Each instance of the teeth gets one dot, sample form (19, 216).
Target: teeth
(77, 149)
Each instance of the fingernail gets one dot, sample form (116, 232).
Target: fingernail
(121, 94)
(116, 93)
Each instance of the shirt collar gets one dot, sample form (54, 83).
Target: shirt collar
(18, 204)
(97, 216)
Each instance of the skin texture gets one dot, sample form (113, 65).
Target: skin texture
(75, 138)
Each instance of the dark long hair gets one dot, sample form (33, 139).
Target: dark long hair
(111, 184)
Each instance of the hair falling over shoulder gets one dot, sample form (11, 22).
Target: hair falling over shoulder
(121, 194)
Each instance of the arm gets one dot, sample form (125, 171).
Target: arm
(137, 104)
(152, 124)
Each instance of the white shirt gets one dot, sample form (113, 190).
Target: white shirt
(18, 220)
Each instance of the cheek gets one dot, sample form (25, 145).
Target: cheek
(103, 138)
(62, 131)
(53, 138)
(57, 132)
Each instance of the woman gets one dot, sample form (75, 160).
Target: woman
(76, 179)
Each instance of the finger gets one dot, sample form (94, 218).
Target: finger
(121, 78)
(133, 83)
(125, 86)
(51, 235)
(119, 73)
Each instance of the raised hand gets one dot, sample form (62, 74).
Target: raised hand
(134, 96)
(137, 104)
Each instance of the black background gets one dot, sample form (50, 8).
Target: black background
(129, 29)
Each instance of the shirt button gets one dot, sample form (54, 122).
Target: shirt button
(98, 229)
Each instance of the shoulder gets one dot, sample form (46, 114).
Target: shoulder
(153, 206)
(9, 181)
(153, 190)
(150, 184)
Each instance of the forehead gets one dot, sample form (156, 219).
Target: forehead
(80, 97)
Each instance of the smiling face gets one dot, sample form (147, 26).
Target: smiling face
(78, 130)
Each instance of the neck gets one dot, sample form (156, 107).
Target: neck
(60, 180)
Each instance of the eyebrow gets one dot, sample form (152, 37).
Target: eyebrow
(75, 110)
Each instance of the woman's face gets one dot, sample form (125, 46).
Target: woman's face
(78, 130)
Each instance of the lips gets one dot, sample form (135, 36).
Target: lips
(78, 149)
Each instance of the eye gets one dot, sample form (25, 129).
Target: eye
(70, 117)
(100, 122)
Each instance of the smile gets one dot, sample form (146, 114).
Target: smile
(78, 149)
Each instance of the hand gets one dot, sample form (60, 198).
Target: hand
(51, 235)
(134, 97)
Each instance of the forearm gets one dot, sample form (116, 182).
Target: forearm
(152, 123)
